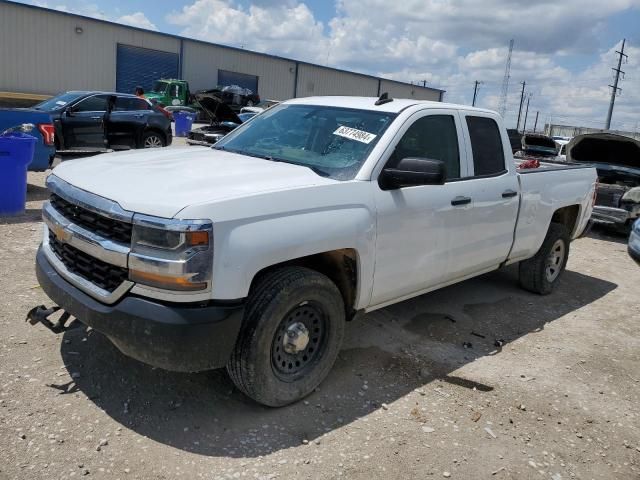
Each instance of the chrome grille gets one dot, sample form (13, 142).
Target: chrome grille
(102, 274)
(115, 230)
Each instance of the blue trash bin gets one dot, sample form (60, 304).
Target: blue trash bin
(184, 122)
(16, 153)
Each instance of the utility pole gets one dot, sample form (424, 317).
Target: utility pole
(475, 92)
(615, 88)
(535, 125)
(526, 113)
(524, 84)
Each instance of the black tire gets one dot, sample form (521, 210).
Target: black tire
(151, 136)
(542, 272)
(254, 366)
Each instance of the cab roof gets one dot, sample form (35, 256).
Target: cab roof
(368, 103)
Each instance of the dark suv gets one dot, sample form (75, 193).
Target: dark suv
(97, 121)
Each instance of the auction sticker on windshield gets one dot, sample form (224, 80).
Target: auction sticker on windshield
(355, 134)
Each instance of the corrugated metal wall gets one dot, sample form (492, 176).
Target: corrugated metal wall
(201, 63)
(41, 52)
(402, 90)
(314, 80)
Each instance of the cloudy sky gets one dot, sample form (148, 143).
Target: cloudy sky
(564, 49)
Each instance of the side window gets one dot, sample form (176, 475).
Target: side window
(176, 91)
(433, 137)
(486, 146)
(97, 103)
(130, 103)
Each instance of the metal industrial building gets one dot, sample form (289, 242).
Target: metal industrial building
(43, 52)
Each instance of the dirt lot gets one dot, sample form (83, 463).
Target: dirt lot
(405, 400)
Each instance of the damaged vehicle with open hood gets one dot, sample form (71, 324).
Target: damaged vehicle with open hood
(617, 160)
(222, 120)
(538, 146)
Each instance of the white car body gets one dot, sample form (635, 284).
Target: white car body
(408, 241)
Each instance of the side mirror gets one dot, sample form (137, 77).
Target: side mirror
(69, 111)
(411, 172)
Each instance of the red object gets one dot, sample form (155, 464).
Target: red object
(48, 132)
(533, 163)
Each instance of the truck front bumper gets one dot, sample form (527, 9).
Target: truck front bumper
(183, 338)
(610, 215)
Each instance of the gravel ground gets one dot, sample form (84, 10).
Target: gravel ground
(559, 399)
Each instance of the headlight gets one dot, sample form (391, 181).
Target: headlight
(632, 196)
(171, 254)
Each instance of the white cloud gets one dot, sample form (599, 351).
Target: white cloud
(81, 7)
(137, 19)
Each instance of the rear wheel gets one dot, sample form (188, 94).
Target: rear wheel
(290, 338)
(152, 140)
(541, 273)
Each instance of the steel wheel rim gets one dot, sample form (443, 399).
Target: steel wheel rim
(152, 141)
(555, 260)
(289, 367)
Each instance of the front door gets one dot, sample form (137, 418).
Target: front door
(83, 123)
(421, 229)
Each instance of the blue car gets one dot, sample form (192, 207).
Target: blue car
(634, 242)
(44, 132)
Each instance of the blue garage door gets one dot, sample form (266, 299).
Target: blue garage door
(141, 66)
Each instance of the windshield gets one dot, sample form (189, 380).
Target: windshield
(159, 87)
(332, 141)
(59, 101)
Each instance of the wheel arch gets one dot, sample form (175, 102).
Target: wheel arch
(341, 266)
(151, 129)
(567, 216)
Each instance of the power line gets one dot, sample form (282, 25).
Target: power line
(614, 87)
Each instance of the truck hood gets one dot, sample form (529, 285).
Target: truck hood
(605, 148)
(216, 109)
(161, 182)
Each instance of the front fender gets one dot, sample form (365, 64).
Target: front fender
(288, 225)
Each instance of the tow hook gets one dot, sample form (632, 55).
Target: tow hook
(41, 314)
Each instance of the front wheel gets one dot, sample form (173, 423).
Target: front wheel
(541, 273)
(152, 140)
(290, 338)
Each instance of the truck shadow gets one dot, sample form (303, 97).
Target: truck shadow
(387, 355)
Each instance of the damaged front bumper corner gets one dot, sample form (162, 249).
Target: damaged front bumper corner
(610, 216)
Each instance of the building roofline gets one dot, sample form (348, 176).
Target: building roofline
(237, 49)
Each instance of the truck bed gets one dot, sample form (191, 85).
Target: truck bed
(546, 166)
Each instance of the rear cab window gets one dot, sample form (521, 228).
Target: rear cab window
(486, 146)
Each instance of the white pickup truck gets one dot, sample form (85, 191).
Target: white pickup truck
(253, 254)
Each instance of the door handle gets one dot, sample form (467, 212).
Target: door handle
(460, 201)
(509, 194)
(96, 118)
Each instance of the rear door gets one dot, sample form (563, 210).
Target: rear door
(82, 123)
(421, 229)
(127, 121)
(494, 189)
